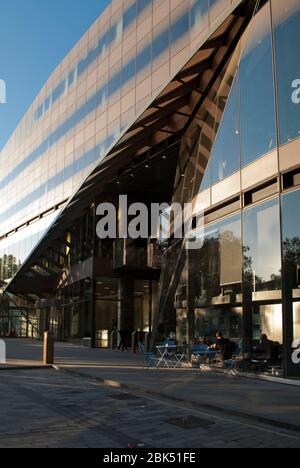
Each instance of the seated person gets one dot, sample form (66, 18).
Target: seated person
(221, 342)
(224, 346)
(201, 347)
(207, 341)
(264, 348)
(170, 340)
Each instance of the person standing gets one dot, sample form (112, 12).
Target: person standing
(123, 336)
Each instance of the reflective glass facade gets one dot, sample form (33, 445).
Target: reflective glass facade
(258, 130)
(237, 159)
(286, 25)
(243, 282)
(119, 65)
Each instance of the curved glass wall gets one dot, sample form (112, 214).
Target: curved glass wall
(124, 59)
(91, 98)
(245, 280)
(257, 101)
(240, 283)
(246, 130)
(287, 44)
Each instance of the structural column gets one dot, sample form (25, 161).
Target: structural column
(191, 294)
(126, 305)
(290, 368)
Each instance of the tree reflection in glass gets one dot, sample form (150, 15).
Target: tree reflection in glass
(262, 249)
(218, 265)
(9, 265)
(291, 237)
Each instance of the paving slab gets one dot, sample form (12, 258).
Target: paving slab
(260, 400)
(59, 410)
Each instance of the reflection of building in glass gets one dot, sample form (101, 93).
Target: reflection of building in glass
(9, 266)
(164, 102)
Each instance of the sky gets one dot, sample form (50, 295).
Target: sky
(35, 35)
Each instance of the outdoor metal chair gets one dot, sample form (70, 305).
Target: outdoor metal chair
(232, 365)
(231, 368)
(150, 360)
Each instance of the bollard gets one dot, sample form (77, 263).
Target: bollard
(147, 342)
(48, 354)
(114, 339)
(134, 337)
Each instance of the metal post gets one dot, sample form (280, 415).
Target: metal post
(93, 315)
(48, 354)
(148, 342)
(27, 324)
(150, 305)
(134, 340)
(114, 339)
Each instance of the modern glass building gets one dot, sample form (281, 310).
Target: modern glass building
(163, 101)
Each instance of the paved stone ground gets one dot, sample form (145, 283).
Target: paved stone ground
(46, 408)
(258, 400)
(22, 352)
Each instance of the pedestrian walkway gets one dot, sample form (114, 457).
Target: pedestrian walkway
(22, 352)
(49, 409)
(259, 400)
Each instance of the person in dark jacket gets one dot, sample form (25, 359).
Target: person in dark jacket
(123, 335)
(224, 346)
(221, 341)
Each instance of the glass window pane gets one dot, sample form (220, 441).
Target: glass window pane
(262, 248)
(296, 320)
(227, 320)
(291, 252)
(267, 320)
(218, 279)
(287, 42)
(257, 90)
(291, 239)
(225, 157)
(267, 339)
(217, 282)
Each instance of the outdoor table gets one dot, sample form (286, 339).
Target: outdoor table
(163, 351)
(207, 352)
(180, 355)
